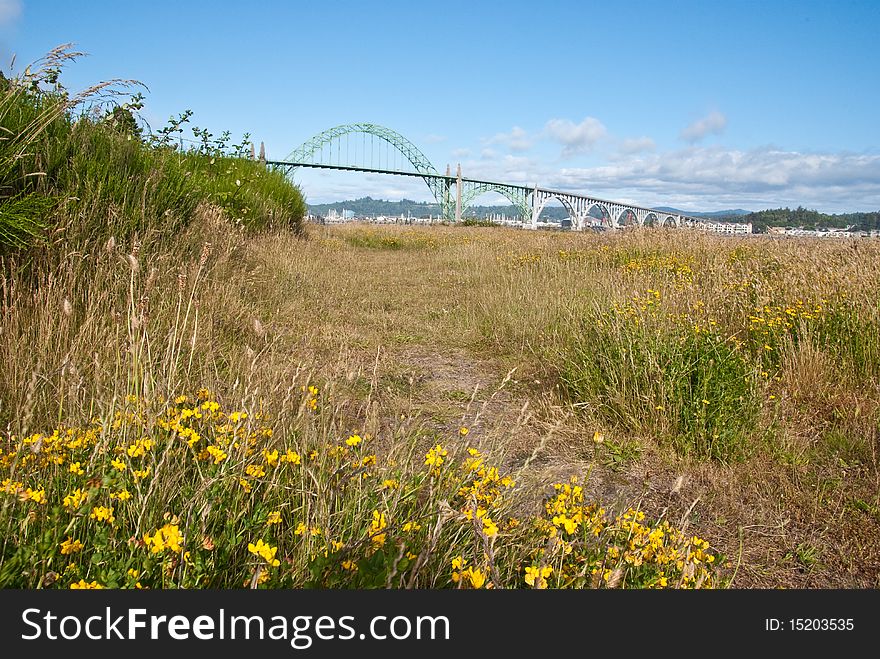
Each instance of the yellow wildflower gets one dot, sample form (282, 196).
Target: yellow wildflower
(82, 584)
(475, 576)
(75, 499)
(217, 453)
(537, 577)
(71, 546)
(265, 551)
(255, 471)
(168, 537)
(140, 473)
(103, 514)
(434, 458)
(37, 496)
(377, 525)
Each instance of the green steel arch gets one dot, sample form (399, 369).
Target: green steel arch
(439, 185)
(304, 152)
(517, 196)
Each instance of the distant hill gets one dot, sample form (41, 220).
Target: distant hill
(736, 212)
(810, 219)
(367, 206)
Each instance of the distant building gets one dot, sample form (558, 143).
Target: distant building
(818, 233)
(726, 228)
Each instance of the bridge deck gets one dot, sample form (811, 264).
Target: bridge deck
(452, 179)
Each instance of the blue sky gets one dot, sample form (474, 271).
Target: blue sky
(699, 105)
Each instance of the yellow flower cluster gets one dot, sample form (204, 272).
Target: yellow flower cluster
(106, 510)
(669, 264)
(377, 526)
(71, 546)
(103, 514)
(630, 551)
(75, 499)
(168, 537)
(311, 400)
(265, 551)
(777, 319)
(82, 584)
(467, 576)
(536, 577)
(63, 446)
(434, 458)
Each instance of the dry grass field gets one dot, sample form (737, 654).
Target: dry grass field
(407, 406)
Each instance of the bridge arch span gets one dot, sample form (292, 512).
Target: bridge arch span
(627, 218)
(439, 186)
(607, 219)
(472, 192)
(306, 151)
(544, 197)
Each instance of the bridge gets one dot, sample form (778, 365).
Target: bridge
(365, 147)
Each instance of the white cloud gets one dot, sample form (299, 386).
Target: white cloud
(516, 140)
(10, 10)
(712, 124)
(637, 145)
(575, 138)
(698, 177)
(703, 178)
(460, 153)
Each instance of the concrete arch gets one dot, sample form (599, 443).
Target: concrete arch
(627, 218)
(669, 221)
(607, 218)
(566, 203)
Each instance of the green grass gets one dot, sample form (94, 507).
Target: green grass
(695, 391)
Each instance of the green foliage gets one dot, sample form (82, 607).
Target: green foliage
(471, 222)
(117, 186)
(253, 197)
(27, 119)
(810, 219)
(852, 337)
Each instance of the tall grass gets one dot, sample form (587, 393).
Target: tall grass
(26, 118)
(691, 390)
